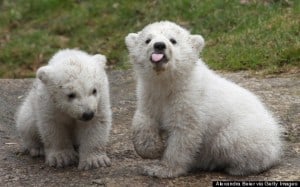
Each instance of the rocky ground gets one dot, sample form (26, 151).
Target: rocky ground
(281, 94)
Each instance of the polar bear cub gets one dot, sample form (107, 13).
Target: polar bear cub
(68, 108)
(189, 116)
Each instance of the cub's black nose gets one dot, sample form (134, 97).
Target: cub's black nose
(159, 46)
(86, 116)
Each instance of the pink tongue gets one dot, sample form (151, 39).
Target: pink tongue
(156, 57)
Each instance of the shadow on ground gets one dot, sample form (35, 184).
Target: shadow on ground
(281, 94)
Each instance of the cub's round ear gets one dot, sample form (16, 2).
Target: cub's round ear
(101, 59)
(131, 40)
(44, 74)
(197, 42)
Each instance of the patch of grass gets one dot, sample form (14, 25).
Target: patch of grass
(254, 36)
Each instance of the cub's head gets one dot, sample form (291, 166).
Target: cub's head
(75, 81)
(164, 45)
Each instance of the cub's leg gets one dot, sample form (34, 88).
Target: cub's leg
(59, 150)
(180, 153)
(183, 143)
(93, 137)
(27, 129)
(147, 139)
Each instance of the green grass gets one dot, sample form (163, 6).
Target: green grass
(253, 36)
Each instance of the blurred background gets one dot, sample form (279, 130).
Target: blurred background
(257, 35)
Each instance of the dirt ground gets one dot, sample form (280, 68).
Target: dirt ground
(281, 94)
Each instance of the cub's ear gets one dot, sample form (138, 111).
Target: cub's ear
(101, 59)
(197, 42)
(131, 40)
(44, 74)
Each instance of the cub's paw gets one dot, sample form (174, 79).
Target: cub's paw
(148, 146)
(163, 171)
(94, 161)
(61, 158)
(36, 151)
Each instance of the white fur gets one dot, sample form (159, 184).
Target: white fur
(190, 117)
(51, 123)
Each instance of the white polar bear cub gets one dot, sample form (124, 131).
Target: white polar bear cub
(189, 116)
(68, 107)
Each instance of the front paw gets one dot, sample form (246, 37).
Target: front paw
(163, 171)
(94, 161)
(61, 158)
(148, 150)
(148, 146)
(36, 151)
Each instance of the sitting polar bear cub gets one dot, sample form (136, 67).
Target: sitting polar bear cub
(190, 117)
(68, 106)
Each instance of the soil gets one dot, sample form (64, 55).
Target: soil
(280, 93)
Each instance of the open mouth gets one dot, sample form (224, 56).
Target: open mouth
(157, 58)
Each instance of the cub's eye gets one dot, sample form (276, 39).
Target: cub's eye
(71, 96)
(148, 41)
(94, 91)
(173, 41)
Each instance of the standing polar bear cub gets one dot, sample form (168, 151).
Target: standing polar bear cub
(189, 116)
(68, 107)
